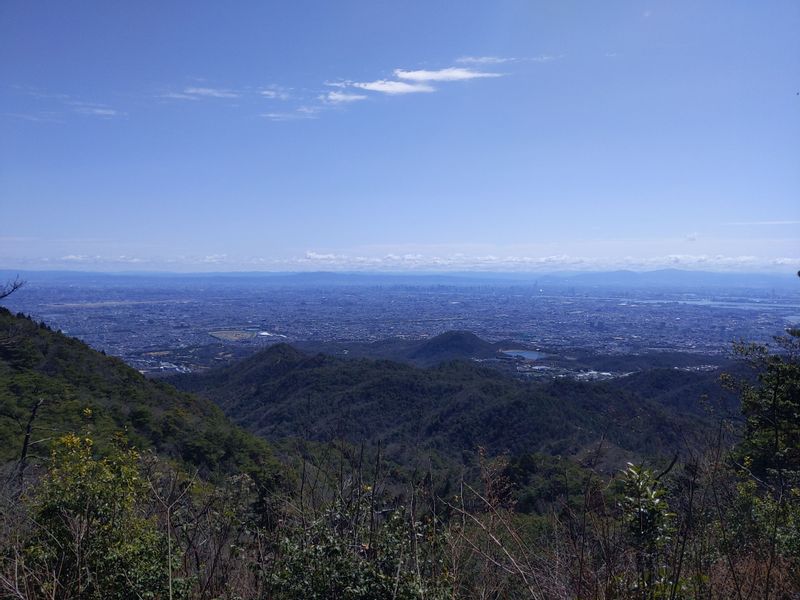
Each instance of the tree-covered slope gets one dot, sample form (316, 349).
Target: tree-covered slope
(452, 408)
(58, 385)
(694, 392)
(447, 346)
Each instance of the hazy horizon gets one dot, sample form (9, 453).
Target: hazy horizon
(786, 275)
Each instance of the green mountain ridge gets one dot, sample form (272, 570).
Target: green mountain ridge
(81, 390)
(451, 408)
(453, 345)
(446, 346)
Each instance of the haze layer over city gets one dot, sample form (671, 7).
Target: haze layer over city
(164, 324)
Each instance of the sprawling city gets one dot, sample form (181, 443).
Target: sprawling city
(159, 324)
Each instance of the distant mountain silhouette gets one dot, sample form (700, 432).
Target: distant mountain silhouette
(447, 346)
(453, 345)
(678, 278)
(669, 278)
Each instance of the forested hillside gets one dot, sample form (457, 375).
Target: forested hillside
(458, 406)
(51, 384)
(450, 345)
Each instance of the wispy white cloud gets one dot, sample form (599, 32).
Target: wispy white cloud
(303, 105)
(448, 74)
(301, 113)
(485, 60)
(82, 258)
(35, 117)
(461, 261)
(499, 60)
(178, 96)
(94, 109)
(544, 58)
(41, 95)
(349, 92)
(785, 261)
(422, 261)
(55, 107)
(385, 86)
(275, 92)
(408, 82)
(132, 260)
(337, 97)
(208, 92)
(201, 92)
(311, 255)
(98, 111)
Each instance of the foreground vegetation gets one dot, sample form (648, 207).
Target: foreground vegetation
(117, 509)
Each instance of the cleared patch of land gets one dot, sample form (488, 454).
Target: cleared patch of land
(233, 335)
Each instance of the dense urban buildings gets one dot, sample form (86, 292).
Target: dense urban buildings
(161, 324)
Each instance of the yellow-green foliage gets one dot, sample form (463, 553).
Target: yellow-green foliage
(89, 532)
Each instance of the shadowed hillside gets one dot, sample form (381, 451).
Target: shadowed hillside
(451, 408)
(447, 346)
(453, 345)
(57, 384)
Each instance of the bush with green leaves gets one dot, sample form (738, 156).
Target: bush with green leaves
(348, 555)
(91, 540)
(650, 527)
(772, 407)
(767, 462)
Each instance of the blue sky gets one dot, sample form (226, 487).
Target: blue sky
(503, 135)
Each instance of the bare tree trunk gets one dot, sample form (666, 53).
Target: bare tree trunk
(23, 457)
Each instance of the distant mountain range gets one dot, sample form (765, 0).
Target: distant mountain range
(675, 278)
(668, 278)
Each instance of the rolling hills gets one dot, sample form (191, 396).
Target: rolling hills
(456, 406)
(450, 345)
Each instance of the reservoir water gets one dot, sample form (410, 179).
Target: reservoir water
(526, 354)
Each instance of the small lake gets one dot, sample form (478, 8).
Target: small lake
(526, 354)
